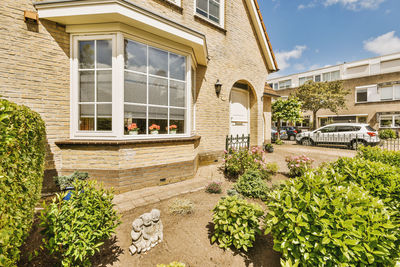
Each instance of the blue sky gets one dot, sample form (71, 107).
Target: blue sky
(309, 34)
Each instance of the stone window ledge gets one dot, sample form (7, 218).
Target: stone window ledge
(80, 142)
(209, 23)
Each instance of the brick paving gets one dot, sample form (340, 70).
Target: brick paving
(128, 201)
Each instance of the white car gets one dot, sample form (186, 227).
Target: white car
(349, 134)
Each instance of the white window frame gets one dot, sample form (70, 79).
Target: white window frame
(361, 89)
(221, 13)
(118, 71)
(386, 117)
(287, 84)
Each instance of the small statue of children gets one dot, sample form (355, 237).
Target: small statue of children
(158, 227)
(137, 238)
(147, 231)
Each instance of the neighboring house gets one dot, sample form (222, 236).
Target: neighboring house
(94, 68)
(374, 86)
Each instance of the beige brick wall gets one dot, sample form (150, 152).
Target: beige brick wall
(362, 108)
(34, 71)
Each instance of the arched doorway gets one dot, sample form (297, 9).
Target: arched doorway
(240, 109)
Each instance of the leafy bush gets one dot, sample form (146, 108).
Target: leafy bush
(380, 155)
(75, 229)
(236, 222)
(251, 184)
(279, 142)
(239, 161)
(214, 188)
(232, 192)
(172, 264)
(298, 165)
(181, 206)
(315, 221)
(22, 153)
(381, 180)
(387, 134)
(67, 180)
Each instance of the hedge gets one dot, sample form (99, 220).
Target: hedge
(22, 153)
(379, 155)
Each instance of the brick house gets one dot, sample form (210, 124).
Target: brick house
(102, 72)
(374, 86)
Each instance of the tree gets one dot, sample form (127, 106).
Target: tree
(286, 110)
(321, 95)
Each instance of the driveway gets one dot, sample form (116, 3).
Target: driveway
(319, 154)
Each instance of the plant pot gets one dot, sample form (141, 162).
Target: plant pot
(154, 132)
(270, 149)
(133, 132)
(172, 131)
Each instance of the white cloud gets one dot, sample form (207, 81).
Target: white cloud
(355, 4)
(385, 44)
(309, 5)
(299, 67)
(284, 57)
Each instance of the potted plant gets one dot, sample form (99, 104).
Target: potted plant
(269, 148)
(154, 128)
(172, 129)
(133, 129)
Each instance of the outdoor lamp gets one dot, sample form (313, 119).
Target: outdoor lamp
(218, 86)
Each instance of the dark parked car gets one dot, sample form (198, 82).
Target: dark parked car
(274, 134)
(291, 132)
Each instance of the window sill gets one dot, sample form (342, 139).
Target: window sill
(69, 142)
(209, 23)
(377, 102)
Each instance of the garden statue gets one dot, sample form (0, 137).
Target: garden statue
(147, 232)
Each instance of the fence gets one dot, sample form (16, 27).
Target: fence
(237, 142)
(350, 140)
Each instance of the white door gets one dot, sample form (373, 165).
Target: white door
(239, 110)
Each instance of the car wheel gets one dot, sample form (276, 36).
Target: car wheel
(292, 138)
(355, 143)
(306, 142)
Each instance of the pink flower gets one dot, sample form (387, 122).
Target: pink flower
(297, 165)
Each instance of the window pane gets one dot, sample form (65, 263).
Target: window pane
(214, 11)
(302, 80)
(326, 77)
(177, 94)
(202, 4)
(158, 62)
(177, 117)
(135, 56)
(104, 115)
(135, 115)
(104, 86)
(86, 117)
(335, 75)
(386, 121)
(386, 93)
(397, 91)
(104, 53)
(317, 78)
(177, 67)
(362, 95)
(396, 121)
(135, 88)
(159, 116)
(158, 91)
(86, 54)
(86, 85)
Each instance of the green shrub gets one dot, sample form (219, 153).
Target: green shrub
(387, 134)
(22, 153)
(75, 229)
(377, 154)
(381, 180)
(251, 184)
(298, 165)
(172, 264)
(67, 180)
(316, 221)
(239, 161)
(236, 223)
(214, 188)
(279, 142)
(181, 206)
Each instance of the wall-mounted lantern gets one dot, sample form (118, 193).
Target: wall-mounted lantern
(218, 87)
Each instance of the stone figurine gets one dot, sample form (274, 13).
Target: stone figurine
(147, 232)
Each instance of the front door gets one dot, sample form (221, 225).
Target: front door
(239, 110)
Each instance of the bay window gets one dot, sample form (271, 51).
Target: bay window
(125, 89)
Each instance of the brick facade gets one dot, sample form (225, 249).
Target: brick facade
(34, 71)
